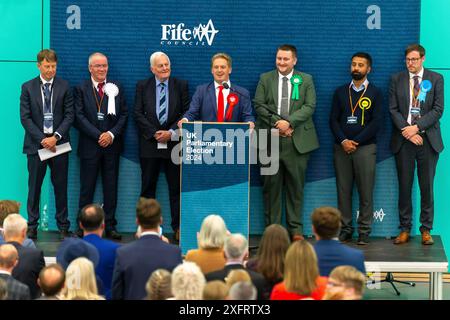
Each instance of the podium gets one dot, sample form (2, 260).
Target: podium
(215, 177)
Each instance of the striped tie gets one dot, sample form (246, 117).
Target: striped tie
(162, 114)
(47, 105)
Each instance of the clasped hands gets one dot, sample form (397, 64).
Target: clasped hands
(284, 128)
(410, 133)
(49, 143)
(105, 140)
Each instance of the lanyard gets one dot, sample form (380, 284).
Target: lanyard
(99, 104)
(353, 108)
(51, 95)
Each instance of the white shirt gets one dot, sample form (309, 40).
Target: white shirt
(43, 81)
(95, 83)
(411, 85)
(5, 272)
(280, 89)
(225, 92)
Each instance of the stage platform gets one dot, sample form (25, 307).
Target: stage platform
(381, 256)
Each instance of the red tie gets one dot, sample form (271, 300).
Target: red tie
(220, 106)
(100, 89)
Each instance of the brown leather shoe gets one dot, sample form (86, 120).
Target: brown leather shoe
(426, 238)
(403, 237)
(297, 237)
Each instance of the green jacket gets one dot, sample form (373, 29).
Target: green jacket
(300, 111)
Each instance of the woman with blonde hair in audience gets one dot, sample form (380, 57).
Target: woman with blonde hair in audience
(301, 275)
(345, 283)
(188, 282)
(158, 286)
(215, 290)
(270, 258)
(209, 256)
(80, 281)
(237, 275)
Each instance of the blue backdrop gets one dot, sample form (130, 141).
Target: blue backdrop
(326, 33)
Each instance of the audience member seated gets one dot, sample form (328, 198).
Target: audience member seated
(236, 251)
(269, 260)
(52, 280)
(7, 207)
(209, 257)
(235, 276)
(345, 283)
(301, 275)
(215, 290)
(80, 281)
(326, 224)
(159, 285)
(31, 260)
(15, 290)
(3, 289)
(188, 282)
(242, 291)
(92, 222)
(136, 260)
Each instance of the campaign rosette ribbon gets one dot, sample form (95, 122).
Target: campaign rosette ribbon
(425, 86)
(364, 103)
(111, 90)
(232, 100)
(296, 81)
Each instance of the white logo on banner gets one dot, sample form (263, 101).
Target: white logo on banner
(173, 34)
(378, 215)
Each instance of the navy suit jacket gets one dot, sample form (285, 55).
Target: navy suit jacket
(332, 253)
(107, 257)
(136, 261)
(204, 105)
(147, 119)
(91, 128)
(32, 112)
(31, 262)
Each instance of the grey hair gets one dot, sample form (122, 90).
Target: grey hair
(96, 54)
(188, 282)
(236, 245)
(213, 232)
(13, 225)
(243, 291)
(156, 55)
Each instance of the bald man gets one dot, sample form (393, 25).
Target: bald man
(51, 280)
(16, 290)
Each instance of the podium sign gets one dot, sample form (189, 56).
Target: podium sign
(215, 178)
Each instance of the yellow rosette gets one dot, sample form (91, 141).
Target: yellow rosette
(364, 103)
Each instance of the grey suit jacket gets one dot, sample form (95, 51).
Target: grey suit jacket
(16, 289)
(430, 110)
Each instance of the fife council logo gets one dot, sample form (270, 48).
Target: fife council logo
(179, 35)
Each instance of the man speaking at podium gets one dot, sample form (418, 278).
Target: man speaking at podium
(220, 101)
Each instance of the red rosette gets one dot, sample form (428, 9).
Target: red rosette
(232, 100)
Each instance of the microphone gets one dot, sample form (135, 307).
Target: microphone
(225, 85)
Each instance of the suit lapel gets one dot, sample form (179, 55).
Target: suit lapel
(38, 95)
(151, 89)
(406, 89)
(90, 94)
(275, 88)
(426, 103)
(55, 91)
(212, 97)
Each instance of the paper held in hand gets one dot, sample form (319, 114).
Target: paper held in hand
(45, 154)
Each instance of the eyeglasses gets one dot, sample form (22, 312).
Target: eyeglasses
(413, 60)
(98, 66)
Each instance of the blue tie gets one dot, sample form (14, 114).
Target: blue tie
(162, 114)
(47, 105)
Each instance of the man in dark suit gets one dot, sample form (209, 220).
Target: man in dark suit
(236, 251)
(16, 290)
(220, 100)
(46, 113)
(136, 261)
(159, 104)
(355, 119)
(326, 223)
(101, 116)
(416, 103)
(92, 222)
(31, 261)
(285, 101)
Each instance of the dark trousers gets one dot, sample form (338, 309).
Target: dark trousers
(36, 172)
(426, 159)
(89, 169)
(291, 178)
(357, 167)
(150, 172)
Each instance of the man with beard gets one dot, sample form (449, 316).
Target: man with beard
(355, 118)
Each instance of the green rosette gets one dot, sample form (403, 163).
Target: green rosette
(296, 81)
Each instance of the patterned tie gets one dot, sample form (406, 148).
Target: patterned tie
(162, 114)
(220, 105)
(100, 89)
(284, 99)
(47, 104)
(415, 116)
